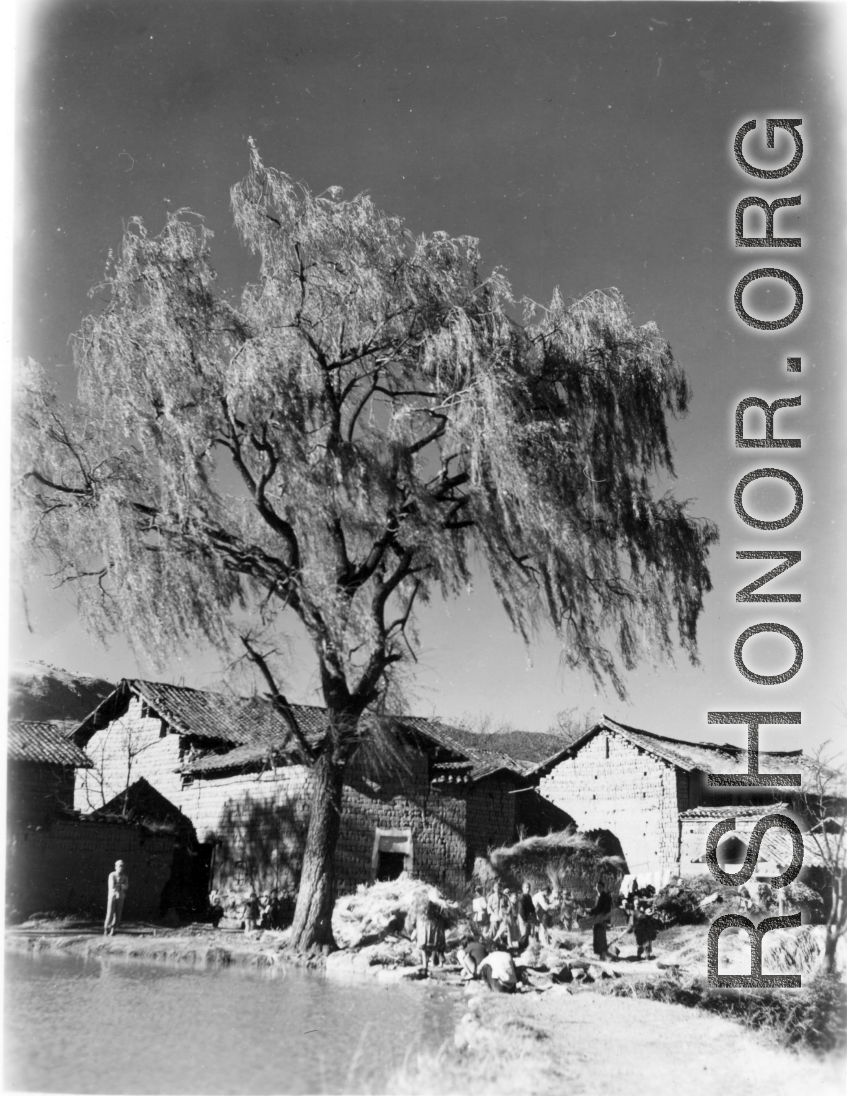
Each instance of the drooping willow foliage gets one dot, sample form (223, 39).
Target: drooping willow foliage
(368, 424)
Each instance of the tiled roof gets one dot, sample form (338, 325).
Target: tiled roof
(43, 742)
(708, 757)
(232, 759)
(218, 717)
(733, 812)
(143, 803)
(777, 848)
(226, 718)
(490, 753)
(254, 727)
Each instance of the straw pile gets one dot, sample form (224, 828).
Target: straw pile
(565, 859)
(386, 911)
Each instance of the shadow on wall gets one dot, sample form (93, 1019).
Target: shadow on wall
(259, 845)
(609, 844)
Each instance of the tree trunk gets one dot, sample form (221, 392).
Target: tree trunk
(315, 898)
(827, 961)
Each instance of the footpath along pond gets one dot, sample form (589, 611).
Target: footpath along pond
(111, 1025)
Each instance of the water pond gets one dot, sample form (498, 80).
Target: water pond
(112, 1025)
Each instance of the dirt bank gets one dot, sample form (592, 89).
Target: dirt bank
(593, 1044)
(199, 947)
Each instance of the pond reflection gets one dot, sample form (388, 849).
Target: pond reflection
(111, 1025)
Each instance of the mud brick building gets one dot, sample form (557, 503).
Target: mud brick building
(226, 764)
(649, 792)
(56, 861)
(40, 766)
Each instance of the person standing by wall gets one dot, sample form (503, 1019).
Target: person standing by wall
(543, 912)
(527, 920)
(118, 885)
(481, 916)
(568, 908)
(497, 908)
(601, 912)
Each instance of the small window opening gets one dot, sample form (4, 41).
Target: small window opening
(390, 866)
(392, 854)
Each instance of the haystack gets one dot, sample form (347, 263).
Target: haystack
(386, 910)
(566, 860)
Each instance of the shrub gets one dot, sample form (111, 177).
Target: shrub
(681, 900)
(814, 1017)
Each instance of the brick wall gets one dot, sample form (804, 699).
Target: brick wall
(65, 867)
(37, 790)
(260, 821)
(693, 835)
(134, 745)
(492, 815)
(613, 785)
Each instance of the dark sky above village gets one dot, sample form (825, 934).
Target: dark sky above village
(586, 145)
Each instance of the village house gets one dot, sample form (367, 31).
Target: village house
(428, 799)
(40, 767)
(55, 860)
(39, 775)
(648, 793)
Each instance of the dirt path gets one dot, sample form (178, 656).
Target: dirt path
(617, 1045)
(592, 1044)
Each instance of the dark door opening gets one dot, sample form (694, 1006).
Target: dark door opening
(390, 865)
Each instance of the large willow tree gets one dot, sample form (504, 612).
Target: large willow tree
(367, 425)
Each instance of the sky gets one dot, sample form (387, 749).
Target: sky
(586, 146)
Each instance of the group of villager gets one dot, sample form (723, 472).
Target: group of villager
(506, 921)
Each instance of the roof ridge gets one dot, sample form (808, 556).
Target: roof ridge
(719, 747)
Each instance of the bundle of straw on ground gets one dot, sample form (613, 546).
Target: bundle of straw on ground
(566, 860)
(388, 909)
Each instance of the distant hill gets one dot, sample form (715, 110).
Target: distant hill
(42, 693)
(529, 747)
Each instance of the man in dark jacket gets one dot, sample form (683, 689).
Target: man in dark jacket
(601, 912)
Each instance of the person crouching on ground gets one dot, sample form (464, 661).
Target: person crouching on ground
(602, 911)
(498, 972)
(470, 955)
(117, 887)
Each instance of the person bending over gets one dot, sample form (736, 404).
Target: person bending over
(471, 954)
(498, 972)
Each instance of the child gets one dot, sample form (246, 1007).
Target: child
(645, 928)
(509, 930)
